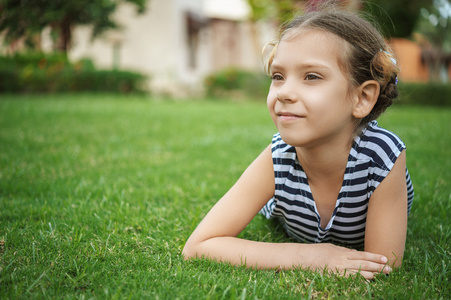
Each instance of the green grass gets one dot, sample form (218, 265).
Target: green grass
(98, 195)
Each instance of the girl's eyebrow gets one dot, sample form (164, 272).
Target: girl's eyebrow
(306, 65)
(275, 66)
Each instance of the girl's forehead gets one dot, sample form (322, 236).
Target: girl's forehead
(313, 34)
(314, 41)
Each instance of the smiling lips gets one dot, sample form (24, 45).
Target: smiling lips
(287, 116)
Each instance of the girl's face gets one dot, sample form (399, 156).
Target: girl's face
(310, 99)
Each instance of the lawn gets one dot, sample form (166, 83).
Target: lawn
(98, 195)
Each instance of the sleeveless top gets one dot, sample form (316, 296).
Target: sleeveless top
(371, 158)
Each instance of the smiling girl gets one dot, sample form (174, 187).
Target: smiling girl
(332, 176)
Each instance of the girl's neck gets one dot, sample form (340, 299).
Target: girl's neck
(326, 162)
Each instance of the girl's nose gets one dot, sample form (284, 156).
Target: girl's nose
(287, 92)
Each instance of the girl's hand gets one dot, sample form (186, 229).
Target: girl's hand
(348, 261)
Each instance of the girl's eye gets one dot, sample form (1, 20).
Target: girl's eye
(276, 77)
(311, 77)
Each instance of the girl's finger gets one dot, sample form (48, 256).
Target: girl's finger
(368, 256)
(365, 266)
(368, 275)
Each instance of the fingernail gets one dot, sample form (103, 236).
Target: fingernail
(384, 260)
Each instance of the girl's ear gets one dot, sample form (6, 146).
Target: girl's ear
(365, 98)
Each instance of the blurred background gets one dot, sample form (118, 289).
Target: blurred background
(188, 48)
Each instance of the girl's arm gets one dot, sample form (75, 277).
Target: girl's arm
(215, 237)
(386, 222)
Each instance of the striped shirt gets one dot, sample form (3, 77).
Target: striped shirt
(371, 158)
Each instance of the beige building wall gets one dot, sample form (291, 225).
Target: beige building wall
(153, 43)
(175, 42)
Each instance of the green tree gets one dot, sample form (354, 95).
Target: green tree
(27, 18)
(278, 10)
(397, 18)
(434, 26)
(284, 10)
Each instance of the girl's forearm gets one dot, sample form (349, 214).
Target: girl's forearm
(259, 255)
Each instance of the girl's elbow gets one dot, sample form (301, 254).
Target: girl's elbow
(189, 250)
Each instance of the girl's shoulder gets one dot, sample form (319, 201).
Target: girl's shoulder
(376, 134)
(379, 145)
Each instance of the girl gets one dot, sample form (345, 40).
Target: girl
(331, 175)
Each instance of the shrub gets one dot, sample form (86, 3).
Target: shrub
(237, 83)
(436, 94)
(38, 72)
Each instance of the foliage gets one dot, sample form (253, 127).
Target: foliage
(435, 24)
(26, 18)
(436, 94)
(232, 83)
(281, 11)
(38, 72)
(99, 193)
(397, 18)
(434, 27)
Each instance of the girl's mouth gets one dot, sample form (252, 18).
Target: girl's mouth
(286, 116)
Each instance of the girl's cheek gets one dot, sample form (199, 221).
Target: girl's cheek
(272, 94)
(268, 99)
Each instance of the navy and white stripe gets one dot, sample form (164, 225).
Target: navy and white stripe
(371, 158)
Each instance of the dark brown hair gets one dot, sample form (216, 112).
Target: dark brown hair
(366, 56)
